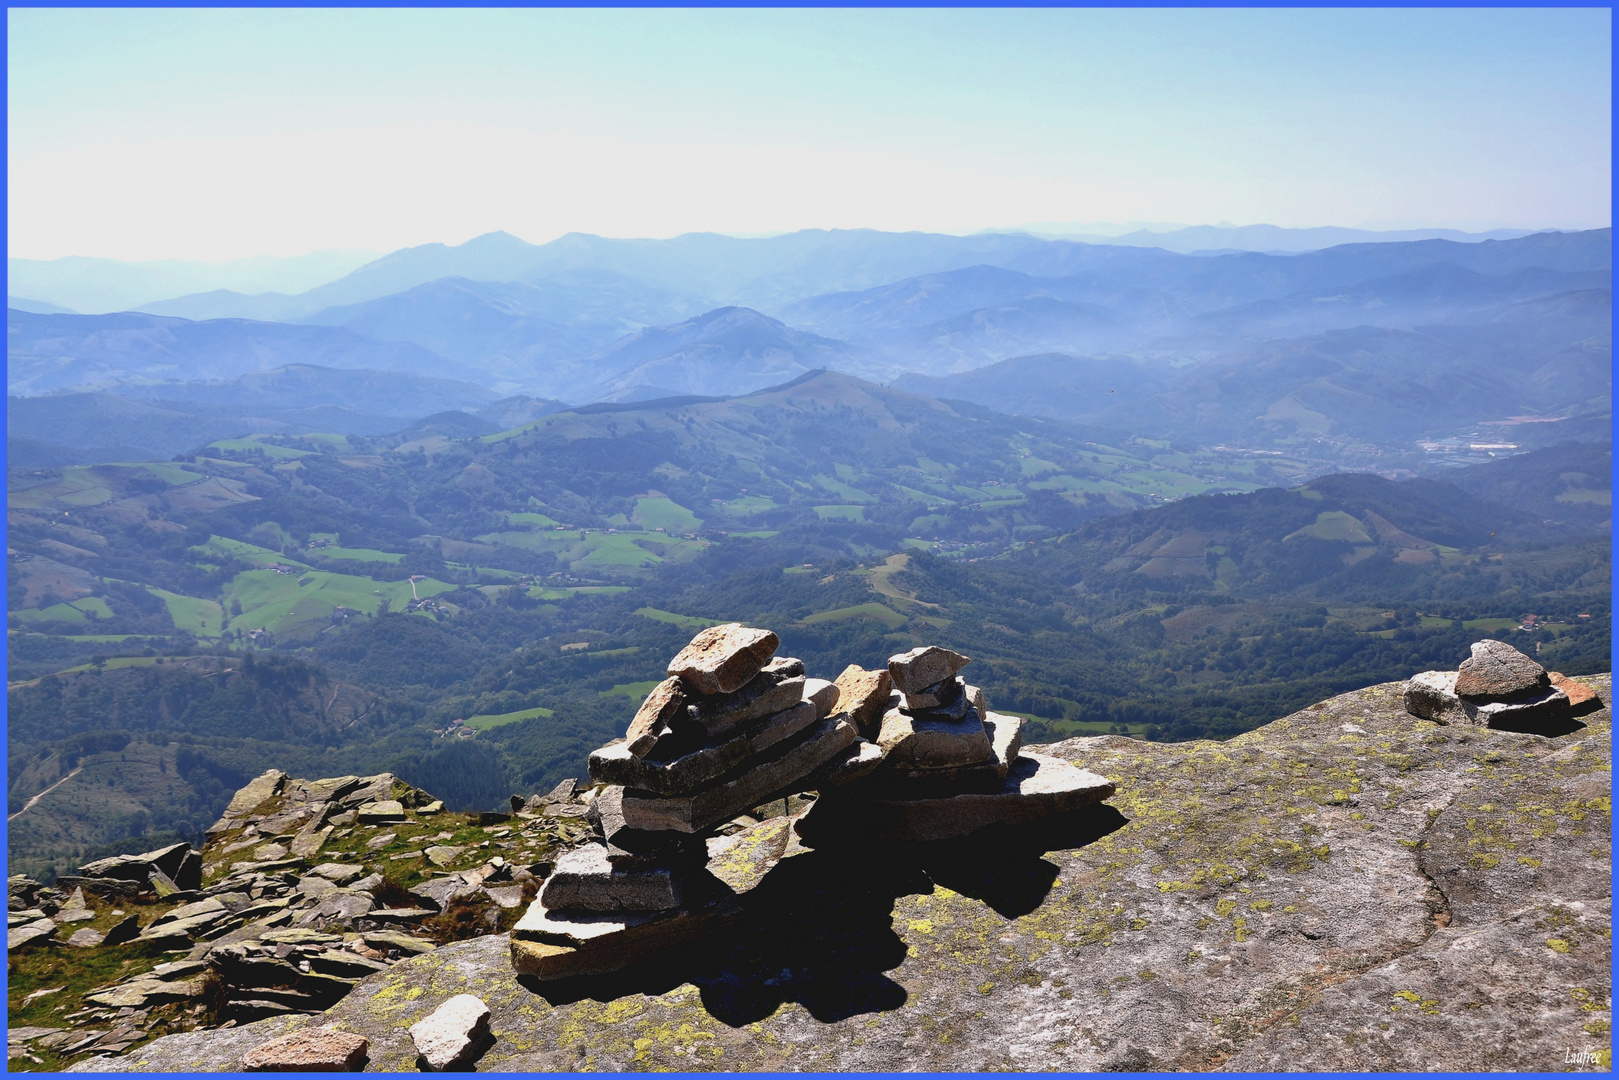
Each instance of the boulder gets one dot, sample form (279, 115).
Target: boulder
(86, 938)
(1430, 695)
(864, 696)
(1497, 672)
(584, 880)
(760, 781)
(918, 742)
(924, 666)
(666, 701)
(452, 1034)
(1036, 786)
(722, 659)
(616, 764)
(323, 1049)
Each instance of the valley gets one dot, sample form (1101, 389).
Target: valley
(439, 516)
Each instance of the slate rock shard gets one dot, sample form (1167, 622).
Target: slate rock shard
(723, 658)
(322, 1049)
(666, 700)
(1497, 672)
(924, 666)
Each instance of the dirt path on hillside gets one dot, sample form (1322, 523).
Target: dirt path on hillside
(29, 805)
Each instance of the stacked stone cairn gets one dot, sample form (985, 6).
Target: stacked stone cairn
(729, 729)
(945, 765)
(734, 728)
(1497, 686)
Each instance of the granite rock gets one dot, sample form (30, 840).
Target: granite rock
(923, 667)
(722, 659)
(863, 695)
(323, 1049)
(1497, 672)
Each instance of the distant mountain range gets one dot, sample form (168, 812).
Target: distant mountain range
(99, 286)
(1370, 346)
(1270, 238)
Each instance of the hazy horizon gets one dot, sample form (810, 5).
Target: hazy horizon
(280, 132)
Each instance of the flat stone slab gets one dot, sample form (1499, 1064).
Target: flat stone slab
(558, 945)
(923, 667)
(584, 880)
(721, 659)
(310, 1050)
(1006, 739)
(1496, 671)
(757, 783)
(1035, 787)
(766, 693)
(618, 764)
(909, 741)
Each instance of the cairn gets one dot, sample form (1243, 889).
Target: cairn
(733, 728)
(946, 765)
(729, 729)
(1497, 686)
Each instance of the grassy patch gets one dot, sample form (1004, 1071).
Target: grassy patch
(533, 519)
(1334, 525)
(357, 554)
(656, 512)
(279, 453)
(632, 690)
(204, 618)
(879, 613)
(748, 505)
(689, 622)
(487, 721)
(841, 513)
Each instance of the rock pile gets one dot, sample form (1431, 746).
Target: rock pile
(1497, 686)
(946, 765)
(729, 729)
(732, 729)
(303, 889)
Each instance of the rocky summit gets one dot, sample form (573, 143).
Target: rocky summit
(1349, 887)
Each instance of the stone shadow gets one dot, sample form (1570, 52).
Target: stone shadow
(818, 929)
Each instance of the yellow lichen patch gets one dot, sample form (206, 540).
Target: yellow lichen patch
(1557, 945)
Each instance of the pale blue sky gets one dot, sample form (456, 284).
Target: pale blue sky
(220, 134)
